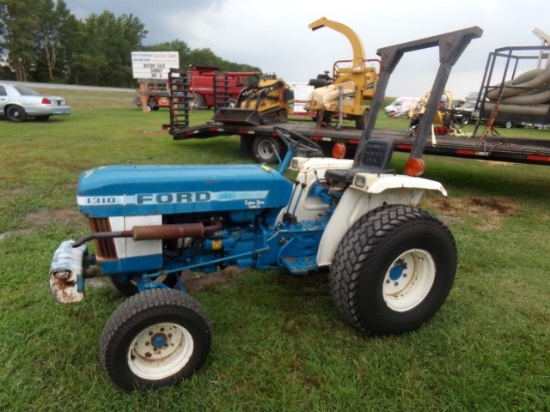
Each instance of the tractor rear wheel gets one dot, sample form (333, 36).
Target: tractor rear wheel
(155, 339)
(393, 270)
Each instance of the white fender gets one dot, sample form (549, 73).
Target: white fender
(367, 192)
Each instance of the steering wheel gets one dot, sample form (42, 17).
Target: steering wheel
(297, 142)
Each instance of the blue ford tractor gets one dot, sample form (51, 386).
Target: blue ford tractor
(391, 264)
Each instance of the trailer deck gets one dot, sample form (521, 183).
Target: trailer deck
(507, 149)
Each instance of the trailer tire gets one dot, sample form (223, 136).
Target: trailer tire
(155, 339)
(265, 149)
(393, 270)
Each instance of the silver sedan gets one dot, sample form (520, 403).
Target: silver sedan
(19, 102)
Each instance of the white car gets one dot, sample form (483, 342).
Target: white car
(19, 102)
(401, 106)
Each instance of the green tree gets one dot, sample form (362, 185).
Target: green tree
(55, 27)
(19, 23)
(104, 57)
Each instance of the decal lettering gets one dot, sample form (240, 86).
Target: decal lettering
(167, 198)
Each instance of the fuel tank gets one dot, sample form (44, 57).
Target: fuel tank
(150, 190)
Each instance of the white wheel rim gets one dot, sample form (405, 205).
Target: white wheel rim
(160, 351)
(265, 150)
(408, 280)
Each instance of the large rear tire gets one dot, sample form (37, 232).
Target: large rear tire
(393, 270)
(155, 339)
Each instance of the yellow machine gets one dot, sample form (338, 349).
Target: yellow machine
(443, 120)
(268, 102)
(349, 86)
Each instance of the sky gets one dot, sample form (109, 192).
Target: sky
(275, 35)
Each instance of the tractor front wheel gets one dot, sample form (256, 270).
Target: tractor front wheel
(393, 270)
(155, 339)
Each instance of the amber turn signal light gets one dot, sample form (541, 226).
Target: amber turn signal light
(414, 167)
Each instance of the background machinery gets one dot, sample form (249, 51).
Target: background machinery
(268, 102)
(344, 93)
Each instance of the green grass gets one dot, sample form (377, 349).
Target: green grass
(279, 343)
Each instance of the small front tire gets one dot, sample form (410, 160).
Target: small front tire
(155, 339)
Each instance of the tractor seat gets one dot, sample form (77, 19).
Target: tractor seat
(376, 158)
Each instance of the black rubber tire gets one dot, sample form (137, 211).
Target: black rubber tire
(264, 149)
(363, 260)
(129, 288)
(16, 114)
(137, 317)
(361, 121)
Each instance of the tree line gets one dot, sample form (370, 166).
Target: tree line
(42, 41)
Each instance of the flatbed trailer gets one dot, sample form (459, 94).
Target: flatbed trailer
(504, 149)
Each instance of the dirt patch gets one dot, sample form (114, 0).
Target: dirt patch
(210, 281)
(42, 217)
(491, 211)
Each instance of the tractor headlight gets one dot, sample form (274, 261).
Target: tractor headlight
(360, 181)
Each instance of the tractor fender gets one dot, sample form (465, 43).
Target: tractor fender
(367, 192)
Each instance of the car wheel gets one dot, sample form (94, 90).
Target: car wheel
(16, 114)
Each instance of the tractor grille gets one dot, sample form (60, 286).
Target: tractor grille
(105, 248)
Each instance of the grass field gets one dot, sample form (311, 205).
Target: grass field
(279, 343)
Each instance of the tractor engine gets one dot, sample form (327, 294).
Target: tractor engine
(143, 217)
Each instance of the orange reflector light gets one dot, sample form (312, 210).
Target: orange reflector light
(339, 150)
(414, 167)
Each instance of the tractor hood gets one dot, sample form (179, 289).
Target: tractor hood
(147, 190)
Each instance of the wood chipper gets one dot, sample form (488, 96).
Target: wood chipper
(345, 92)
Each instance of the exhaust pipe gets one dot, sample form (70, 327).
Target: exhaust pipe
(173, 231)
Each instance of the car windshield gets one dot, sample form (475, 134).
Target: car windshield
(26, 91)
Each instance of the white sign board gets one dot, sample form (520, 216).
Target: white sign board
(154, 65)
